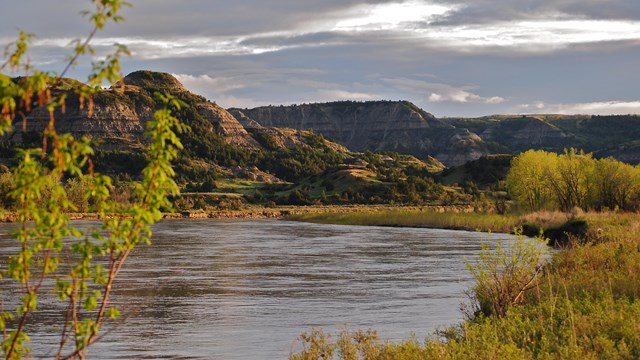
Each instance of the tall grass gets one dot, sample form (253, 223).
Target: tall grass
(416, 218)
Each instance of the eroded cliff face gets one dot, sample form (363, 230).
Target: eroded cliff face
(227, 125)
(377, 126)
(112, 120)
(117, 118)
(461, 147)
(525, 133)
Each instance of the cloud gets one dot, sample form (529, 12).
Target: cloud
(230, 101)
(614, 107)
(203, 83)
(439, 92)
(389, 16)
(491, 11)
(337, 94)
(218, 89)
(534, 35)
(257, 88)
(414, 23)
(248, 53)
(463, 96)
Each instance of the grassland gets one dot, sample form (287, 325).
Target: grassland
(416, 217)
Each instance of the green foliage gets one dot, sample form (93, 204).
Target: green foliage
(6, 184)
(316, 345)
(300, 161)
(203, 142)
(119, 162)
(541, 180)
(154, 81)
(600, 132)
(265, 139)
(527, 179)
(299, 197)
(487, 172)
(42, 198)
(504, 275)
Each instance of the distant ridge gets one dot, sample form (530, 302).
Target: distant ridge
(617, 136)
(397, 126)
(118, 118)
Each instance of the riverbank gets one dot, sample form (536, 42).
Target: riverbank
(278, 212)
(559, 228)
(416, 217)
(584, 305)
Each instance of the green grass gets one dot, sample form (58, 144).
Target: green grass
(342, 179)
(243, 187)
(416, 218)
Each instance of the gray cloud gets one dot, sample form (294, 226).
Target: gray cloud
(590, 108)
(490, 11)
(472, 58)
(435, 92)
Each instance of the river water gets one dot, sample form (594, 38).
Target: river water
(246, 289)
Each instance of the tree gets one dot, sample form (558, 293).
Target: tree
(615, 184)
(528, 179)
(503, 276)
(570, 180)
(542, 180)
(45, 228)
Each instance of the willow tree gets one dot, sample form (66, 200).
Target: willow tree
(528, 180)
(45, 231)
(571, 179)
(616, 185)
(543, 180)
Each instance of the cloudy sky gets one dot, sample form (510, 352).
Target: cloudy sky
(452, 58)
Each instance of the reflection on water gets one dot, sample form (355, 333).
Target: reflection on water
(230, 289)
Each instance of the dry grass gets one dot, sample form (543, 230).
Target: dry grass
(412, 217)
(546, 219)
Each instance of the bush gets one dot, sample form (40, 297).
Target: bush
(6, 184)
(504, 275)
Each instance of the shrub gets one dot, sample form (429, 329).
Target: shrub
(6, 184)
(504, 275)
(315, 345)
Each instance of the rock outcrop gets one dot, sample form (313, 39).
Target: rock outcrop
(112, 120)
(227, 125)
(117, 118)
(377, 126)
(526, 132)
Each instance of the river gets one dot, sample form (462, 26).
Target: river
(245, 289)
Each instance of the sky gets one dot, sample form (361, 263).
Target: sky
(451, 58)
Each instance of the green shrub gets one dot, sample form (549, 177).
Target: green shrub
(504, 275)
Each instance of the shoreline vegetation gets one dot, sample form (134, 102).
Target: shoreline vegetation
(289, 212)
(583, 304)
(415, 217)
(559, 227)
(452, 217)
